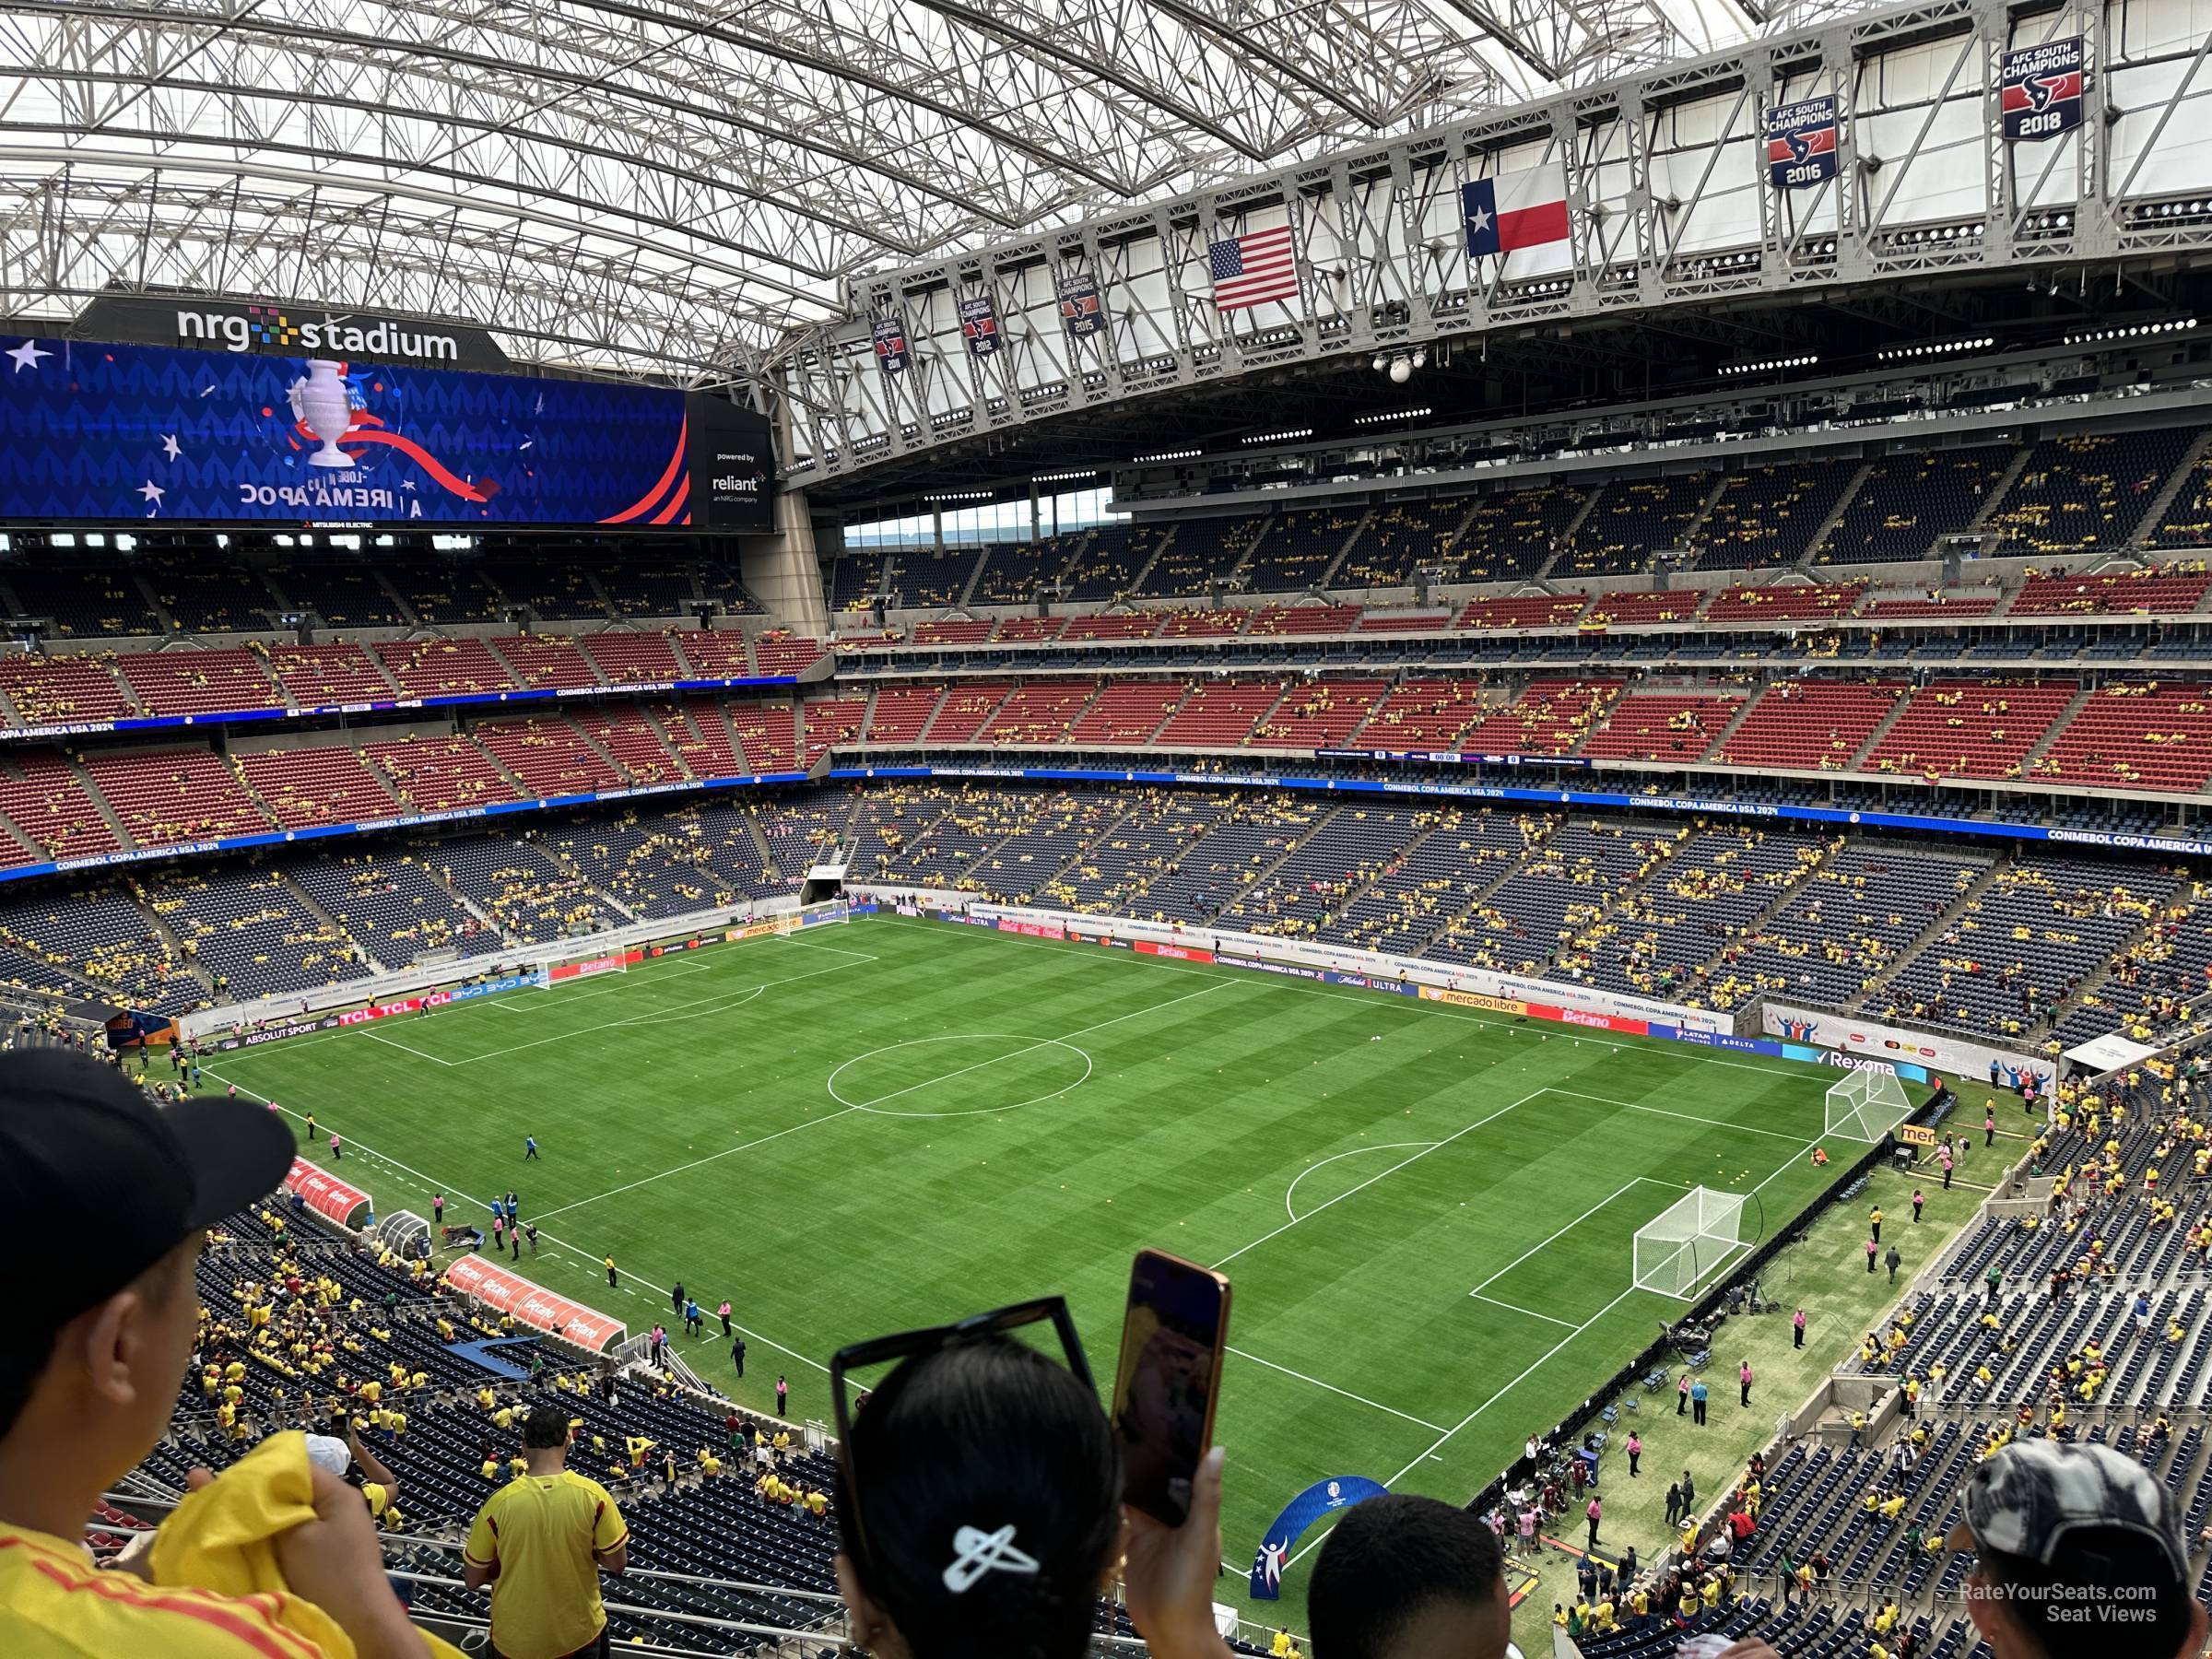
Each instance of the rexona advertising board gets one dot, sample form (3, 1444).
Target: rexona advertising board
(103, 432)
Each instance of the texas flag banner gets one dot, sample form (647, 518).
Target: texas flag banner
(1514, 210)
(1801, 144)
(2039, 90)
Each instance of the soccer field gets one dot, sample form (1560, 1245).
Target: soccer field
(1425, 1213)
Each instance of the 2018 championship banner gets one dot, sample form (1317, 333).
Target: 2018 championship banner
(2038, 89)
(105, 433)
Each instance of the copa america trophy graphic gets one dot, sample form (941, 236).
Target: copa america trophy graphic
(320, 404)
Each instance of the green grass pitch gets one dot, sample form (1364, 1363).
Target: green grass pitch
(1425, 1213)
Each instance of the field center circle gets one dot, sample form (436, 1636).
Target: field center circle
(1009, 1046)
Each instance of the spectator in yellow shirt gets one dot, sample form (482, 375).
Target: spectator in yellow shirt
(95, 1354)
(540, 1543)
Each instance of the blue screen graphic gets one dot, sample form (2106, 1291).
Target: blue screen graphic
(107, 432)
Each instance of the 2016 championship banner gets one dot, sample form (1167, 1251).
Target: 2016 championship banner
(1801, 144)
(106, 432)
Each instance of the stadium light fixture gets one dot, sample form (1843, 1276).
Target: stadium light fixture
(1767, 365)
(1380, 415)
(1291, 437)
(2133, 331)
(1182, 454)
(1066, 478)
(1892, 354)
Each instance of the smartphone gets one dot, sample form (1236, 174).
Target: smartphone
(1169, 1379)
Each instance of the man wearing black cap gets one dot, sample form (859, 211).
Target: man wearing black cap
(2077, 1554)
(100, 1340)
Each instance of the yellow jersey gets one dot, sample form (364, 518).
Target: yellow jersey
(541, 1531)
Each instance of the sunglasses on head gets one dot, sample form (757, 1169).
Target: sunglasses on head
(915, 1345)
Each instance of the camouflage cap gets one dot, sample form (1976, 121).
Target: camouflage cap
(2031, 1495)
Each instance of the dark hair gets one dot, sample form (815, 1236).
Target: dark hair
(987, 1434)
(23, 1359)
(1389, 1559)
(2124, 1571)
(25, 1356)
(545, 1428)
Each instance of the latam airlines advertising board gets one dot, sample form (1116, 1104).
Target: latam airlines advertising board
(111, 433)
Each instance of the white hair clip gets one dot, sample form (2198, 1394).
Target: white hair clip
(976, 1552)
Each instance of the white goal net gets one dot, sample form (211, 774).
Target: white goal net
(1867, 1106)
(1692, 1239)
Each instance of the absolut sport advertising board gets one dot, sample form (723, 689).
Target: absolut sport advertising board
(105, 433)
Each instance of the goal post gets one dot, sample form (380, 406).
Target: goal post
(561, 970)
(1692, 1239)
(1867, 1106)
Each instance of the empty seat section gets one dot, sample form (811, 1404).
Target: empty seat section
(1644, 607)
(44, 798)
(665, 590)
(1848, 920)
(1461, 852)
(439, 774)
(1202, 551)
(1523, 610)
(1767, 516)
(962, 632)
(344, 594)
(1221, 715)
(1346, 849)
(1115, 625)
(1128, 712)
(1785, 601)
(1423, 714)
(324, 783)
(523, 887)
(716, 653)
(1322, 714)
(832, 723)
(1279, 620)
(1810, 724)
(548, 755)
(631, 738)
(1934, 602)
(1908, 500)
(857, 577)
(1013, 571)
(2150, 591)
(767, 736)
(1398, 538)
(64, 691)
(443, 668)
(84, 602)
(2136, 734)
(1631, 520)
(440, 591)
(1969, 728)
(1510, 533)
(1040, 712)
(1224, 623)
(928, 580)
(552, 589)
(198, 682)
(1108, 561)
(175, 795)
(697, 735)
(1119, 865)
(1027, 630)
(1249, 837)
(781, 654)
(93, 942)
(326, 675)
(967, 705)
(251, 931)
(627, 657)
(1662, 726)
(388, 904)
(2087, 492)
(542, 662)
(1300, 548)
(1550, 717)
(902, 712)
(206, 597)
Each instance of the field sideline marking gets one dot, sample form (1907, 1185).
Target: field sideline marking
(1516, 1308)
(405, 1047)
(1687, 1117)
(439, 1186)
(1371, 1181)
(1332, 1388)
(711, 1157)
(1570, 1226)
(1672, 1051)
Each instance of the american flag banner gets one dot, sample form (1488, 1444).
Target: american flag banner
(1253, 269)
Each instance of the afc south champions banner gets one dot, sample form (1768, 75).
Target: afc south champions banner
(1301, 1512)
(1801, 144)
(2038, 91)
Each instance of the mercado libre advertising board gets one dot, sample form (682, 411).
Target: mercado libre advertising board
(534, 1305)
(107, 432)
(1916, 1135)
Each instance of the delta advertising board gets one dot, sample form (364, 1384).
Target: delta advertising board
(1862, 1039)
(534, 1305)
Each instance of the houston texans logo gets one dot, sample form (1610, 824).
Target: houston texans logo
(1800, 143)
(2043, 89)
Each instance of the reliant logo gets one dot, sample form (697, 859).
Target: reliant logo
(739, 485)
(272, 328)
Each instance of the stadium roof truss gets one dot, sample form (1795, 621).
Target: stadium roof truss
(674, 188)
(1665, 169)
